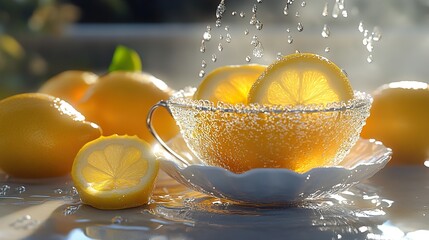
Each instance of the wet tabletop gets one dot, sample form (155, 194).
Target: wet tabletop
(394, 204)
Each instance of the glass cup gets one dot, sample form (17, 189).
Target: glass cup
(243, 137)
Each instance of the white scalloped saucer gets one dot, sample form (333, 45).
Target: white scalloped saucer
(274, 186)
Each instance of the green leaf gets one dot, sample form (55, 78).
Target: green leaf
(125, 59)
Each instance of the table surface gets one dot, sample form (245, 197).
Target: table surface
(394, 204)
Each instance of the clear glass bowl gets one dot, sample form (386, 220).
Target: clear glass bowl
(244, 137)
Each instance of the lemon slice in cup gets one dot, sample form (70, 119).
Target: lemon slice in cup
(115, 172)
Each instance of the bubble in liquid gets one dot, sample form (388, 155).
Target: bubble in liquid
(289, 39)
(369, 59)
(326, 31)
(299, 27)
(248, 59)
(325, 10)
(258, 51)
(203, 64)
(220, 47)
(203, 46)
(242, 14)
(214, 57)
(201, 74)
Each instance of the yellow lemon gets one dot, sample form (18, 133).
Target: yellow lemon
(40, 135)
(69, 85)
(115, 172)
(120, 101)
(400, 119)
(301, 79)
(229, 84)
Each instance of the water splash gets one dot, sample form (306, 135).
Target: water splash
(118, 220)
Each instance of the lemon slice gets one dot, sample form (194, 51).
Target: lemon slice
(115, 172)
(301, 79)
(229, 84)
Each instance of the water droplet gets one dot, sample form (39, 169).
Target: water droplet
(253, 20)
(297, 51)
(325, 10)
(297, 14)
(288, 30)
(327, 49)
(214, 57)
(207, 36)
(234, 13)
(376, 34)
(228, 38)
(254, 41)
(303, 4)
(203, 64)
(220, 47)
(259, 1)
(20, 189)
(345, 73)
(218, 22)
(254, 8)
(279, 56)
(242, 14)
(73, 191)
(4, 189)
(248, 58)
(326, 32)
(220, 36)
(246, 32)
(299, 27)
(118, 220)
(201, 74)
(70, 210)
(336, 9)
(258, 51)
(220, 9)
(259, 25)
(289, 39)
(361, 27)
(365, 33)
(203, 46)
(227, 28)
(344, 13)
(286, 9)
(58, 191)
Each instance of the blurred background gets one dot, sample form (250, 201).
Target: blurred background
(40, 38)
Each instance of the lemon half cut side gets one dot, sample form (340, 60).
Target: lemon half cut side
(115, 172)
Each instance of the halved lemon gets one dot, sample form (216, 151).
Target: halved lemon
(229, 84)
(301, 79)
(115, 172)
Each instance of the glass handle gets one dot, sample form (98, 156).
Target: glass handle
(155, 134)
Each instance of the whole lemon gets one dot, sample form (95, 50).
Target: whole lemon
(400, 119)
(40, 135)
(69, 85)
(120, 101)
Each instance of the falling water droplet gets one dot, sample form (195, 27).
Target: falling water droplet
(227, 28)
(201, 74)
(218, 23)
(248, 58)
(325, 10)
(246, 31)
(203, 46)
(297, 51)
(220, 9)
(336, 9)
(214, 57)
(344, 13)
(259, 25)
(220, 47)
(299, 27)
(254, 41)
(203, 64)
(207, 36)
(288, 30)
(303, 4)
(228, 38)
(297, 14)
(234, 13)
(242, 14)
(259, 1)
(220, 36)
(327, 49)
(289, 39)
(369, 58)
(253, 20)
(258, 51)
(254, 8)
(279, 56)
(376, 34)
(326, 32)
(361, 27)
